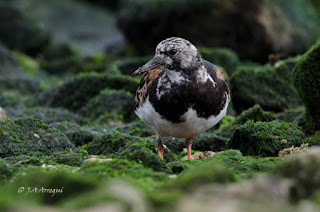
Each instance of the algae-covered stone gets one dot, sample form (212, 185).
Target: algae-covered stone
(76, 93)
(303, 169)
(312, 140)
(202, 173)
(30, 136)
(128, 66)
(8, 64)
(14, 99)
(255, 113)
(23, 84)
(6, 171)
(254, 29)
(18, 32)
(139, 153)
(110, 143)
(306, 78)
(110, 101)
(119, 168)
(265, 138)
(46, 114)
(136, 128)
(60, 185)
(224, 57)
(264, 86)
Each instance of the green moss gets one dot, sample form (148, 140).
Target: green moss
(12, 99)
(110, 143)
(312, 140)
(47, 115)
(255, 113)
(264, 138)
(76, 93)
(23, 84)
(202, 173)
(224, 57)
(139, 153)
(262, 85)
(6, 171)
(110, 101)
(28, 64)
(136, 128)
(306, 78)
(119, 168)
(128, 66)
(20, 33)
(30, 136)
(34, 180)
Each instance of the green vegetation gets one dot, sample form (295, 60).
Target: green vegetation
(265, 138)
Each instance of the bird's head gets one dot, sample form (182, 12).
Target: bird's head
(175, 54)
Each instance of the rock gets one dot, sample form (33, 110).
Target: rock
(312, 140)
(264, 138)
(20, 33)
(117, 168)
(23, 84)
(10, 100)
(272, 91)
(136, 128)
(8, 64)
(204, 172)
(254, 29)
(72, 22)
(255, 113)
(290, 115)
(3, 114)
(128, 66)
(226, 58)
(110, 102)
(6, 171)
(263, 194)
(288, 151)
(110, 144)
(303, 170)
(76, 134)
(17, 137)
(306, 79)
(45, 114)
(76, 93)
(139, 153)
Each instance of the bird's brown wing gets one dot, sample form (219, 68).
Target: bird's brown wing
(146, 81)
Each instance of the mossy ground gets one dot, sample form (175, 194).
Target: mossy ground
(71, 127)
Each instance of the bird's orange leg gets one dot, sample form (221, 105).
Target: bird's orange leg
(160, 148)
(189, 142)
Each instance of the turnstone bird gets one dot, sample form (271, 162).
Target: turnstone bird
(180, 94)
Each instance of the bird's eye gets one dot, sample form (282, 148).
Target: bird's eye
(172, 52)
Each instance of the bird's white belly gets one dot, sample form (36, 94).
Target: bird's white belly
(192, 126)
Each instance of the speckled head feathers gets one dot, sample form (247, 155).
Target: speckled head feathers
(178, 54)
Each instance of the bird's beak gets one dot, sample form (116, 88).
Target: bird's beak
(152, 64)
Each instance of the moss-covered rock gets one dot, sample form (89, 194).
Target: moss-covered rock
(76, 93)
(306, 78)
(202, 173)
(272, 91)
(128, 66)
(30, 184)
(14, 99)
(255, 113)
(70, 159)
(139, 153)
(119, 168)
(30, 136)
(265, 138)
(267, 25)
(8, 64)
(45, 114)
(109, 144)
(109, 101)
(136, 128)
(303, 170)
(312, 140)
(18, 32)
(290, 115)
(223, 57)
(23, 84)
(6, 171)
